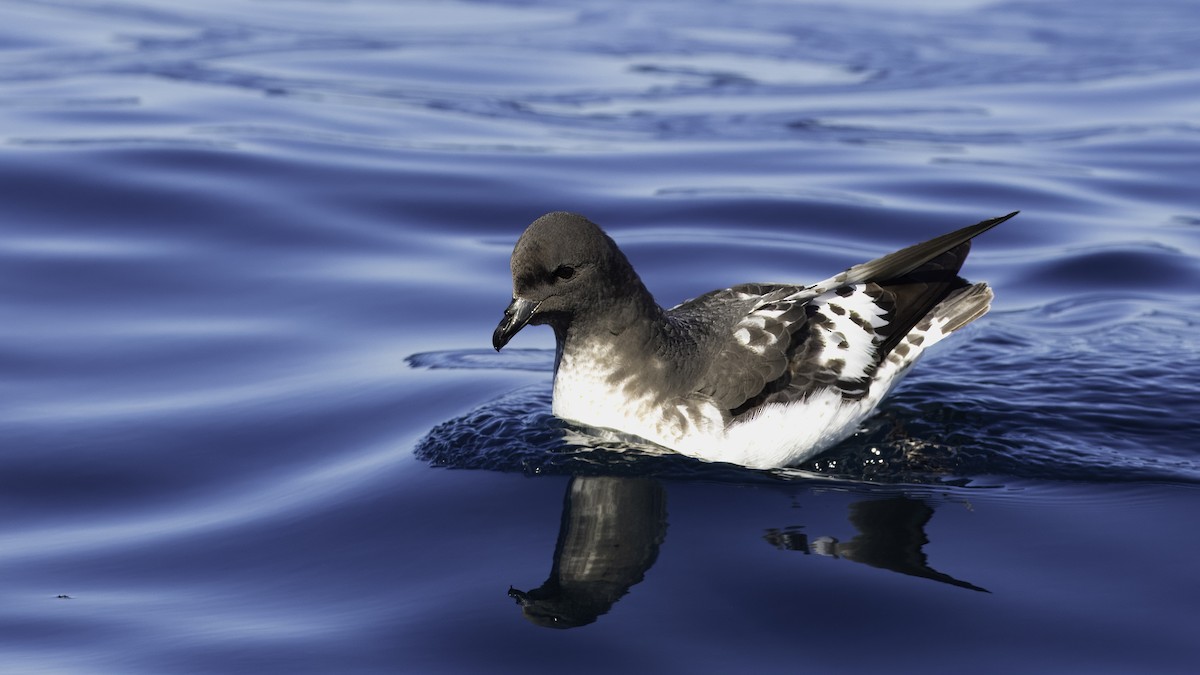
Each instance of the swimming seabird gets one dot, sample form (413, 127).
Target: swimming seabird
(763, 374)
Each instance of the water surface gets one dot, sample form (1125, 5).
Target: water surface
(253, 254)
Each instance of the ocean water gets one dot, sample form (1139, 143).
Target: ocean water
(252, 253)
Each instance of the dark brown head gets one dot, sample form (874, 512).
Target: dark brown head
(562, 264)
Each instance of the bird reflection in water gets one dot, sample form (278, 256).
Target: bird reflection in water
(612, 528)
(610, 533)
(891, 536)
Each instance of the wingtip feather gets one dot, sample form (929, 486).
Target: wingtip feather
(908, 259)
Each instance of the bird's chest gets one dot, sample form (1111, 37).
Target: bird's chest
(588, 389)
(591, 388)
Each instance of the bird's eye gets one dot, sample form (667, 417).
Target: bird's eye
(564, 272)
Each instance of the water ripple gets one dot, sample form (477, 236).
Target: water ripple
(253, 254)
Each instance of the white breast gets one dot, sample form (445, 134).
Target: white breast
(586, 391)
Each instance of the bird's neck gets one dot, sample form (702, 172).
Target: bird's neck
(629, 318)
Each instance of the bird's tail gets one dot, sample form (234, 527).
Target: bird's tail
(959, 309)
(956, 310)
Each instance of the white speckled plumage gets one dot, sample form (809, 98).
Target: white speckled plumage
(841, 328)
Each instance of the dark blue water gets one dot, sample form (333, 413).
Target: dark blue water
(252, 255)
